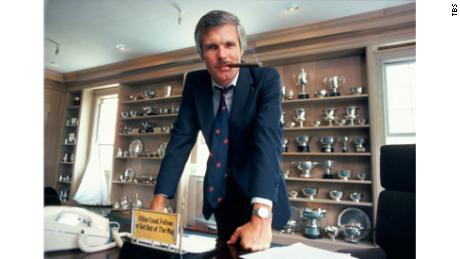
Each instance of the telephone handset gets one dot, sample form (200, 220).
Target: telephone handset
(72, 227)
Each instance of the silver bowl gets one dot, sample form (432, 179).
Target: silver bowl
(149, 93)
(293, 194)
(356, 90)
(133, 113)
(316, 123)
(353, 232)
(344, 174)
(336, 195)
(321, 93)
(361, 176)
(124, 114)
(327, 140)
(309, 192)
(356, 196)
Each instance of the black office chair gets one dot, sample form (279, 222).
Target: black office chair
(395, 225)
(51, 196)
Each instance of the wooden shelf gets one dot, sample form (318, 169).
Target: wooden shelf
(328, 128)
(143, 134)
(319, 180)
(324, 242)
(74, 107)
(71, 126)
(139, 184)
(172, 115)
(326, 154)
(63, 182)
(326, 201)
(151, 100)
(327, 99)
(141, 158)
(66, 163)
(67, 144)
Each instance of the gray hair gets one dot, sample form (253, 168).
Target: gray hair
(216, 18)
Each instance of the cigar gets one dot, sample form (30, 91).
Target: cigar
(244, 65)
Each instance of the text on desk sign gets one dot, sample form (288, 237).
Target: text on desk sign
(155, 226)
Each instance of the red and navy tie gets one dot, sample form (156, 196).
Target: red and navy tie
(216, 171)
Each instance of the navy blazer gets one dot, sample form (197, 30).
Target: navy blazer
(256, 136)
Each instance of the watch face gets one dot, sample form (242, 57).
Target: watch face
(262, 212)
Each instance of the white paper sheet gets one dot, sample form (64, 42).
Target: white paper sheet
(198, 244)
(296, 251)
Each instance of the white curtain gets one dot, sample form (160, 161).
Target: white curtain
(93, 186)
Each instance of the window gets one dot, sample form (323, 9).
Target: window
(95, 184)
(105, 135)
(399, 92)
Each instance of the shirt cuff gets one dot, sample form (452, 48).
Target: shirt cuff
(263, 201)
(164, 195)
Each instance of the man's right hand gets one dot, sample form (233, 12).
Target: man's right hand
(158, 203)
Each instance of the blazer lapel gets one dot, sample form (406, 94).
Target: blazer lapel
(205, 107)
(241, 96)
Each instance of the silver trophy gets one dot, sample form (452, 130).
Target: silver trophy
(327, 165)
(302, 80)
(283, 92)
(290, 94)
(299, 116)
(328, 144)
(344, 141)
(303, 143)
(137, 203)
(331, 231)
(311, 217)
(282, 118)
(329, 115)
(351, 114)
(305, 167)
(359, 144)
(285, 142)
(334, 82)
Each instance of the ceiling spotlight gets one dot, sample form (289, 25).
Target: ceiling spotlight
(121, 47)
(179, 13)
(293, 8)
(56, 51)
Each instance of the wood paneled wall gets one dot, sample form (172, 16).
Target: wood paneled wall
(54, 109)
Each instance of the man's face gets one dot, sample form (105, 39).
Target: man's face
(221, 46)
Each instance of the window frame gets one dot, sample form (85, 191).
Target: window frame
(384, 63)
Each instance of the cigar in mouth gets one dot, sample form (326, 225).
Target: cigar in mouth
(244, 65)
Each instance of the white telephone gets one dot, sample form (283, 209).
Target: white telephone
(72, 227)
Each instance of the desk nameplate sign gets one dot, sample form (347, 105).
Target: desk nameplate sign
(157, 230)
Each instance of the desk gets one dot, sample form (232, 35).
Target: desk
(222, 251)
(138, 252)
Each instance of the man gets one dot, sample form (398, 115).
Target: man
(238, 111)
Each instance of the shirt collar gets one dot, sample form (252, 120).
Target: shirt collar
(233, 82)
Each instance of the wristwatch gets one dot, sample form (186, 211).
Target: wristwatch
(262, 213)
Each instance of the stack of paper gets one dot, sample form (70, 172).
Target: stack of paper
(297, 251)
(198, 243)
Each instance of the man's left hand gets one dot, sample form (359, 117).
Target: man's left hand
(256, 235)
